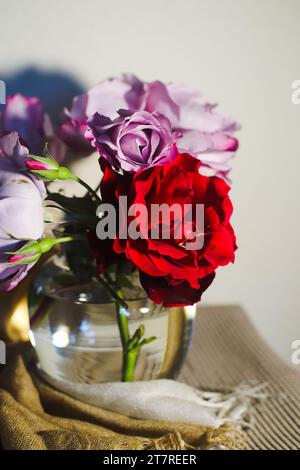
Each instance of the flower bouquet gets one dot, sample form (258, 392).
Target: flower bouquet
(158, 222)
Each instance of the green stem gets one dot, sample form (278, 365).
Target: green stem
(114, 294)
(68, 239)
(113, 283)
(88, 188)
(123, 326)
(58, 241)
(129, 363)
(129, 358)
(130, 346)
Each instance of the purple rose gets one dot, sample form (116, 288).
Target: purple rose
(21, 208)
(26, 116)
(203, 132)
(134, 140)
(197, 127)
(106, 98)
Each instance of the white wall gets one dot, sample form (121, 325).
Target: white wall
(242, 53)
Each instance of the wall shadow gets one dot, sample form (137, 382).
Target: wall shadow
(55, 87)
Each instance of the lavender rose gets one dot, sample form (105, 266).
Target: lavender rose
(197, 127)
(26, 116)
(203, 132)
(134, 140)
(106, 98)
(21, 209)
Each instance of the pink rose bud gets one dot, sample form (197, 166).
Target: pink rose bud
(31, 251)
(20, 259)
(36, 165)
(48, 168)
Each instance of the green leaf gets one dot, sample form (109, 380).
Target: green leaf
(78, 205)
(147, 341)
(134, 341)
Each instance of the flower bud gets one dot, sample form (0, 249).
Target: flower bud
(48, 169)
(29, 253)
(33, 250)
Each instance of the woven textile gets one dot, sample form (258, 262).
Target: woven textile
(228, 350)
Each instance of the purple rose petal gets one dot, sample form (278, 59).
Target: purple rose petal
(133, 141)
(21, 207)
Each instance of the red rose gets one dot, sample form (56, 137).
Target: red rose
(162, 292)
(171, 273)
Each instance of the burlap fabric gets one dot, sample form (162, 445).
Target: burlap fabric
(34, 416)
(226, 351)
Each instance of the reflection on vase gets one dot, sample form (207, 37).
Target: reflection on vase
(76, 336)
